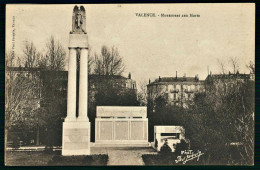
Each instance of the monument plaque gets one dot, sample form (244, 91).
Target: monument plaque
(121, 125)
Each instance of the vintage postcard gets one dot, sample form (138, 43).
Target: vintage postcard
(130, 84)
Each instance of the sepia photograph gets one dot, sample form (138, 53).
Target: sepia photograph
(130, 84)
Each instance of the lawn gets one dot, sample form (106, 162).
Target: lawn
(27, 158)
(40, 158)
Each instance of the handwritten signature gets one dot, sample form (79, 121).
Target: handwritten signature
(188, 155)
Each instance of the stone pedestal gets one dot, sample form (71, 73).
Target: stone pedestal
(76, 138)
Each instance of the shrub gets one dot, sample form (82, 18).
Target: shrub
(100, 160)
(183, 145)
(156, 143)
(159, 159)
(165, 148)
(48, 149)
(15, 143)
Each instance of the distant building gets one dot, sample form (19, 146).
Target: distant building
(223, 82)
(176, 90)
(124, 84)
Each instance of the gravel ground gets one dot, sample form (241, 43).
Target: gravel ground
(124, 155)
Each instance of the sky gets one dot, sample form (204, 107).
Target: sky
(150, 46)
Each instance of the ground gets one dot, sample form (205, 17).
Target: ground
(124, 155)
(27, 158)
(116, 156)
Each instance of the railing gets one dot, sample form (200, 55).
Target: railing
(190, 90)
(174, 90)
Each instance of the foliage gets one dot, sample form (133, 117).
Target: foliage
(142, 93)
(159, 159)
(107, 94)
(182, 146)
(15, 143)
(165, 149)
(226, 104)
(31, 55)
(100, 160)
(110, 62)
(54, 57)
(27, 89)
(156, 143)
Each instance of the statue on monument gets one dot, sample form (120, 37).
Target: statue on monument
(79, 20)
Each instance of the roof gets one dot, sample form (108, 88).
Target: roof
(175, 79)
(91, 76)
(228, 76)
(21, 69)
(95, 76)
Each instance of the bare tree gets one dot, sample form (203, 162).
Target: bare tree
(54, 58)
(251, 67)
(222, 66)
(31, 55)
(142, 93)
(234, 63)
(11, 60)
(109, 62)
(20, 94)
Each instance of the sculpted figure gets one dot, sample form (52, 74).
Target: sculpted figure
(78, 20)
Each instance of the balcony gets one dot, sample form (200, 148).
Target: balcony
(190, 90)
(174, 90)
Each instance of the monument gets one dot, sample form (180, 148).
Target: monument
(76, 130)
(173, 134)
(126, 125)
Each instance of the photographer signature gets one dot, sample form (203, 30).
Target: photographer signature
(188, 155)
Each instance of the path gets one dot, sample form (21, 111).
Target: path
(123, 155)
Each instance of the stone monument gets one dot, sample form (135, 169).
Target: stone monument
(173, 134)
(76, 130)
(121, 125)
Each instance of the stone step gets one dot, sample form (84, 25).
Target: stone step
(120, 145)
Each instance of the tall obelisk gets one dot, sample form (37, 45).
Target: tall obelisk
(76, 130)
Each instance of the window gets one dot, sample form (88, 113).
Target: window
(171, 135)
(166, 87)
(174, 96)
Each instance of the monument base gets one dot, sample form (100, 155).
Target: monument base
(76, 138)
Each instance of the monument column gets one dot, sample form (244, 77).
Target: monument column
(83, 85)
(76, 131)
(71, 95)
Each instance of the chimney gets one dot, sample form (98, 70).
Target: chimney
(184, 75)
(129, 75)
(176, 75)
(149, 81)
(159, 78)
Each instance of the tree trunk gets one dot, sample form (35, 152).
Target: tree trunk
(6, 131)
(38, 136)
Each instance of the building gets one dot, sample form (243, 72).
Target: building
(121, 83)
(60, 78)
(176, 90)
(222, 83)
